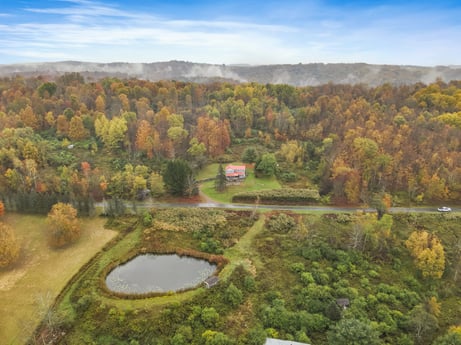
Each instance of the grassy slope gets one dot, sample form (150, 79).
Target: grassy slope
(243, 252)
(41, 272)
(250, 184)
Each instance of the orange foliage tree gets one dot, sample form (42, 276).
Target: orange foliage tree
(214, 134)
(64, 227)
(9, 246)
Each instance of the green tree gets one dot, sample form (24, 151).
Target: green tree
(256, 336)
(64, 227)
(350, 331)
(156, 186)
(422, 323)
(233, 295)
(215, 338)
(450, 338)
(220, 181)
(380, 202)
(9, 246)
(197, 153)
(209, 316)
(250, 155)
(178, 178)
(47, 89)
(267, 165)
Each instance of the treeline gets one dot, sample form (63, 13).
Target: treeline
(84, 141)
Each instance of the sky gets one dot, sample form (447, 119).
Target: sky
(423, 33)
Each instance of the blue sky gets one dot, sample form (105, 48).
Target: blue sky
(258, 32)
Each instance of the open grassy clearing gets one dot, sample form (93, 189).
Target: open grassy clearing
(251, 183)
(243, 252)
(41, 273)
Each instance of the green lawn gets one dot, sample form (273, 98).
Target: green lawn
(250, 184)
(31, 286)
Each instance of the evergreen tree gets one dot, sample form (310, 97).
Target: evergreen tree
(178, 178)
(220, 181)
(249, 155)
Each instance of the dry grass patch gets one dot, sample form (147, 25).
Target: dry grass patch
(41, 272)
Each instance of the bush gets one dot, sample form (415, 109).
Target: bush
(288, 177)
(233, 295)
(9, 246)
(281, 223)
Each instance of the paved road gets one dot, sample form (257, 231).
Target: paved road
(152, 204)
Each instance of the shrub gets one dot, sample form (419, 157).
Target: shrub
(233, 295)
(9, 246)
(281, 223)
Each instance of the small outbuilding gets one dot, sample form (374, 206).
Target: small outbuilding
(272, 341)
(211, 281)
(343, 302)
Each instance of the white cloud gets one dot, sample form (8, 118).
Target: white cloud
(91, 27)
(96, 31)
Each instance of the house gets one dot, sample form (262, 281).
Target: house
(235, 172)
(211, 281)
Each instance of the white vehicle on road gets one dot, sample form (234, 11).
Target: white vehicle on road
(444, 209)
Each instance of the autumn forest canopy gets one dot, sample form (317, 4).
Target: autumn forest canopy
(71, 140)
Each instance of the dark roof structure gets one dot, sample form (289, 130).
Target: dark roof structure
(211, 281)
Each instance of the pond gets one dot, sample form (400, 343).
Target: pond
(159, 273)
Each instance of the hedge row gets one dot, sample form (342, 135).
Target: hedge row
(279, 196)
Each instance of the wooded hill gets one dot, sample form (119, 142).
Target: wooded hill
(68, 139)
(311, 74)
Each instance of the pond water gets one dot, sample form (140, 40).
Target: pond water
(159, 273)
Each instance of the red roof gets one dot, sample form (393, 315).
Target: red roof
(236, 167)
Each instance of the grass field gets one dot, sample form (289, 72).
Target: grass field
(250, 184)
(31, 286)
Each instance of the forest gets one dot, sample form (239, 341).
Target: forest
(69, 146)
(75, 141)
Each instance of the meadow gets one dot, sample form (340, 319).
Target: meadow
(29, 288)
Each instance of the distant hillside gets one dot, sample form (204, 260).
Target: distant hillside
(298, 75)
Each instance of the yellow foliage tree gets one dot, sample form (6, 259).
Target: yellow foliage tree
(433, 306)
(77, 130)
(64, 227)
(29, 118)
(428, 253)
(9, 246)
(292, 152)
